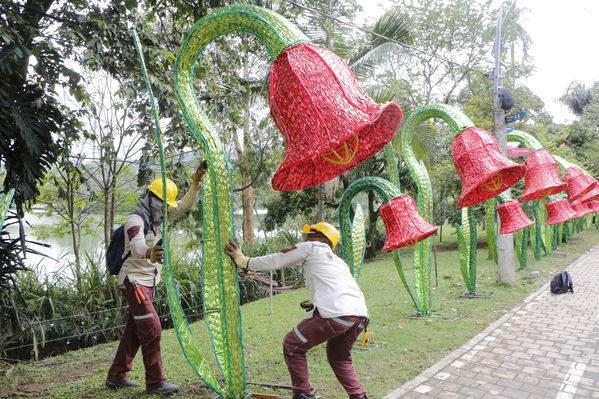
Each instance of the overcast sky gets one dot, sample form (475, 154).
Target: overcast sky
(564, 35)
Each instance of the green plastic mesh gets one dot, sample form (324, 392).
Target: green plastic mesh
(358, 237)
(467, 238)
(5, 201)
(544, 237)
(352, 236)
(536, 232)
(220, 285)
(522, 237)
(422, 255)
(491, 215)
(190, 348)
(546, 230)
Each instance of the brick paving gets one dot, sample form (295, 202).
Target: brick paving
(546, 347)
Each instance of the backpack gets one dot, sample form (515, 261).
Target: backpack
(116, 248)
(561, 283)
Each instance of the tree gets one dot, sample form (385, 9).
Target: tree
(29, 111)
(114, 136)
(578, 96)
(65, 195)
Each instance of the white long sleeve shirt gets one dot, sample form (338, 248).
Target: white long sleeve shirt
(331, 286)
(137, 267)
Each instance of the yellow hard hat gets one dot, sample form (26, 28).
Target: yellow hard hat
(326, 229)
(171, 191)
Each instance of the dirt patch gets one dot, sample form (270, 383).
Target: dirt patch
(24, 388)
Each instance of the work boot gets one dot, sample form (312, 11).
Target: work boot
(165, 388)
(122, 384)
(304, 396)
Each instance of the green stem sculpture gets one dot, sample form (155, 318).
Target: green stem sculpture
(547, 236)
(422, 255)
(220, 285)
(5, 202)
(542, 233)
(352, 245)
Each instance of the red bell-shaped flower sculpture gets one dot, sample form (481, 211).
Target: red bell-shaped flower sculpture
(541, 177)
(591, 194)
(512, 217)
(593, 206)
(579, 183)
(328, 124)
(403, 223)
(581, 209)
(484, 170)
(559, 211)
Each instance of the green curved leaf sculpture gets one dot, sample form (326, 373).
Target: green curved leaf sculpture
(352, 242)
(220, 285)
(422, 256)
(5, 202)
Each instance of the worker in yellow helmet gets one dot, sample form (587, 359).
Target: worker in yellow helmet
(138, 277)
(337, 312)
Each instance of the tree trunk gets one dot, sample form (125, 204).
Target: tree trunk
(247, 195)
(74, 232)
(371, 233)
(321, 199)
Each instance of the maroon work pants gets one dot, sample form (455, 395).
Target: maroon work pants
(143, 330)
(340, 333)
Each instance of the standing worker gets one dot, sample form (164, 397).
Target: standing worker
(337, 310)
(138, 278)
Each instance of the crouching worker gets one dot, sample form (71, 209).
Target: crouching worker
(337, 312)
(138, 278)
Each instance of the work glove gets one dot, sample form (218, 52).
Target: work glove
(234, 251)
(199, 173)
(155, 254)
(307, 305)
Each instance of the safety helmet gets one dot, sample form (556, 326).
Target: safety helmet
(326, 229)
(171, 191)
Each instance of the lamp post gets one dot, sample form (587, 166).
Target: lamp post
(505, 242)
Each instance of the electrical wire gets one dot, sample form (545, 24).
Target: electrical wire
(404, 45)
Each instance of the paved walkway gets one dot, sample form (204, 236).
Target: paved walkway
(546, 347)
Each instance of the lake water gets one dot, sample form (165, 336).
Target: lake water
(60, 251)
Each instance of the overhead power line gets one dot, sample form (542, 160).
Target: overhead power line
(404, 45)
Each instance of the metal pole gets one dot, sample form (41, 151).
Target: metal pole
(270, 283)
(505, 242)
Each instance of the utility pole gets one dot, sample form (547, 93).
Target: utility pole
(505, 242)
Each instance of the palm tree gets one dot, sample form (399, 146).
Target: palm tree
(577, 97)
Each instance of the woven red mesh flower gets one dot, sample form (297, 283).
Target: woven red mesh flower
(403, 223)
(328, 124)
(512, 217)
(484, 170)
(593, 206)
(541, 177)
(591, 195)
(581, 209)
(559, 211)
(579, 183)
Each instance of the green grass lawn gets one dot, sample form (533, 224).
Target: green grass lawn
(400, 346)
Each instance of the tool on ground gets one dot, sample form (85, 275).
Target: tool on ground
(365, 339)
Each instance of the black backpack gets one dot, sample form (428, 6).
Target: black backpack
(116, 248)
(561, 283)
